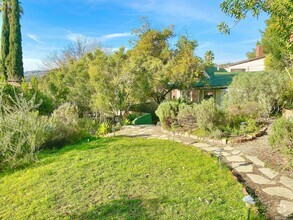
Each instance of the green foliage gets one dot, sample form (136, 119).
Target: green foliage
(281, 137)
(22, 131)
(279, 27)
(103, 129)
(163, 68)
(256, 94)
(115, 88)
(167, 113)
(206, 113)
(203, 116)
(4, 38)
(67, 125)
(14, 62)
(209, 57)
(122, 178)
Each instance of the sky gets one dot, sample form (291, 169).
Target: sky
(49, 25)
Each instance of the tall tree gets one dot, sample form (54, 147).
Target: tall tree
(209, 58)
(14, 62)
(4, 37)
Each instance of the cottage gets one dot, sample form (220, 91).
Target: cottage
(215, 80)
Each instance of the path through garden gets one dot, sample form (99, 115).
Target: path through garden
(273, 189)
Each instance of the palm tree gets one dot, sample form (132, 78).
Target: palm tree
(209, 58)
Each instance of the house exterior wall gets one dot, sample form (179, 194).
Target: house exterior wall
(175, 94)
(198, 95)
(251, 66)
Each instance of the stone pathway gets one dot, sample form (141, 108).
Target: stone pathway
(274, 190)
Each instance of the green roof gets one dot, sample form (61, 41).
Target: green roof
(218, 78)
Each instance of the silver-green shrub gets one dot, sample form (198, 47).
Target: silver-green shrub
(281, 137)
(22, 131)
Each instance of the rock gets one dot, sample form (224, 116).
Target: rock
(279, 191)
(260, 179)
(285, 208)
(268, 172)
(242, 167)
(235, 159)
(236, 152)
(228, 148)
(255, 160)
(201, 145)
(287, 182)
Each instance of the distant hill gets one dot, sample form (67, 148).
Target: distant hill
(35, 73)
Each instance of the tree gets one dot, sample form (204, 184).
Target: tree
(276, 37)
(4, 38)
(209, 58)
(114, 86)
(69, 54)
(162, 68)
(14, 62)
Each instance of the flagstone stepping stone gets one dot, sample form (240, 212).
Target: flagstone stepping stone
(236, 152)
(210, 149)
(287, 182)
(235, 159)
(225, 154)
(242, 167)
(255, 160)
(201, 145)
(279, 191)
(228, 148)
(285, 208)
(268, 172)
(260, 179)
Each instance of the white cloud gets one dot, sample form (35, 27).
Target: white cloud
(116, 35)
(35, 38)
(32, 64)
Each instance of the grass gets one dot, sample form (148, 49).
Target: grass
(122, 178)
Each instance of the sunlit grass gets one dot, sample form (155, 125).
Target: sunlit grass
(122, 178)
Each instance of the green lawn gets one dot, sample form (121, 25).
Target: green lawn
(122, 178)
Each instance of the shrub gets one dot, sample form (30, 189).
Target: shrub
(187, 115)
(256, 94)
(281, 137)
(206, 114)
(167, 113)
(67, 124)
(103, 129)
(22, 131)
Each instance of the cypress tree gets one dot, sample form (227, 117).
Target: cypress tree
(4, 37)
(14, 62)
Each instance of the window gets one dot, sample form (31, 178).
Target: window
(208, 94)
(238, 70)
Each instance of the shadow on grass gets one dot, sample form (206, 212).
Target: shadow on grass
(125, 208)
(51, 154)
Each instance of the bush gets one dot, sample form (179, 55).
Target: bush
(256, 94)
(167, 113)
(67, 124)
(281, 137)
(22, 131)
(206, 114)
(103, 129)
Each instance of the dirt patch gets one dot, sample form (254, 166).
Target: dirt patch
(273, 159)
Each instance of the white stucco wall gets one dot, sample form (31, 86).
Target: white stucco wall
(251, 66)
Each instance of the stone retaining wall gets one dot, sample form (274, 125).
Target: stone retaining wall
(260, 133)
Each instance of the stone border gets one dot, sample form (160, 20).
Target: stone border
(224, 141)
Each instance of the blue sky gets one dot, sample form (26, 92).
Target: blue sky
(52, 24)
